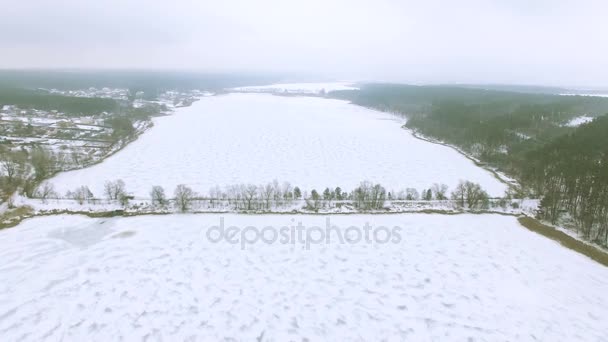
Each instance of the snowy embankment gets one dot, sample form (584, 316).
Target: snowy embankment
(497, 173)
(527, 207)
(310, 142)
(448, 278)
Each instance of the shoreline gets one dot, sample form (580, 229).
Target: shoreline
(28, 208)
(121, 144)
(125, 214)
(511, 184)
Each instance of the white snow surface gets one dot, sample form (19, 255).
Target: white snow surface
(299, 88)
(583, 94)
(579, 120)
(256, 138)
(450, 278)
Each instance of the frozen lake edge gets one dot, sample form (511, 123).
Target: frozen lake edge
(315, 142)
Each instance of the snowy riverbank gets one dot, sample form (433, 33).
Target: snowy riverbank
(29, 207)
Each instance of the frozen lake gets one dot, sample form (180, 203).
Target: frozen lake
(256, 138)
(449, 278)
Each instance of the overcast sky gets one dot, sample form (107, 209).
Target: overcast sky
(551, 42)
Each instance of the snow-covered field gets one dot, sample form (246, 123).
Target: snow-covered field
(582, 94)
(255, 138)
(579, 120)
(299, 88)
(450, 278)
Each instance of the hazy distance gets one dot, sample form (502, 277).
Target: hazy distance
(559, 42)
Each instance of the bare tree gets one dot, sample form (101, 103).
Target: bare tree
(440, 191)
(459, 194)
(158, 196)
(45, 190)
(378, 197)
(287, 191)
(183, 197)
(81, 194)
(411, 194)
(215, 193)
(470, 193)
(267, 192)
(62, 159)
(368, 196)
(75, 155)
(114, 190)
(12, 166)
(234, 194)
(476, 196)
(277, 193)
(249, 193)
(42, 162)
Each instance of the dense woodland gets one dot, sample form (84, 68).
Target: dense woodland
(572, 174)
(523, 134)
(152, 83)
(36, 99)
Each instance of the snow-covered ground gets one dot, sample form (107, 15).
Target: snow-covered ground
(579, 120)
(449, 278)
(255, 138)
(298, 88)
(583, 94)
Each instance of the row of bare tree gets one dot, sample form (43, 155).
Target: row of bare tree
(367, 196)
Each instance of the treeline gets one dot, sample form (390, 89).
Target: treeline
(70, 105)
(249, 197)
(523, 134)
(25, 169)
(572, 174)
(152, 83)
(497, 127)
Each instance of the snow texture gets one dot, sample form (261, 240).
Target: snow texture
(451, 278)
(256, 138)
